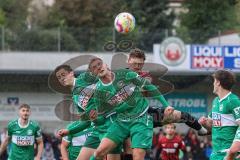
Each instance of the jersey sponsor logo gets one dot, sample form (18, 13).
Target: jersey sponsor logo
(216, 117)
(85, 95)
(79, 141)
(169, 150)
(23, 140)
(29, 132)
(83, 101)
(122, 95)
(237, 111)
(175, 145)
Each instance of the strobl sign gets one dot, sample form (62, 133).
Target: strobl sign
(193, 103)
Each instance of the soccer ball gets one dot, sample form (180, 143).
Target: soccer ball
(124, 22)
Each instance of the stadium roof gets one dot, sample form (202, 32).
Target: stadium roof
(40, 62)
(46, 62)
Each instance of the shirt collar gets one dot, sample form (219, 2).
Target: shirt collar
(21, 125)
(224, 97)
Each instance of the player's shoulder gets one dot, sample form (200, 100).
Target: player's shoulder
(123, 71)
(178, 137)
(216, 99)
(162, 138)
(87, 77)
(12, 123)
(33, 123)
(75, 123)
(233, 98)
(144, 73)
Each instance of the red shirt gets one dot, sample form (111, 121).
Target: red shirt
(145, 75)
(170, 147)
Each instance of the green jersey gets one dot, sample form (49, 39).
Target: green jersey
(76, 141)
(225, 114)
(83, 90)
(82, 99)
(124, 95)
(23, 139)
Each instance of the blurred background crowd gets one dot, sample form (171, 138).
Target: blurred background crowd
(196, 147)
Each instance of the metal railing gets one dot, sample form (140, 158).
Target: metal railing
(87, 39)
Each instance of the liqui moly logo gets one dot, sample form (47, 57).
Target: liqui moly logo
(203, 56)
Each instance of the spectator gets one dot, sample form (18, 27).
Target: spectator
(3, 136)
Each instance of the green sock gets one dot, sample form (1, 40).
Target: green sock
(92, 158)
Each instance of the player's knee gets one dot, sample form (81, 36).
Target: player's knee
(127, 146)
(99, 153)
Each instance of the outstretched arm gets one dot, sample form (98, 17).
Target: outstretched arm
(150, 89)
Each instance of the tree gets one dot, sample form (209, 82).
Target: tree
(91, 21)
(15, 13)
(205, 18)
(153, 18)
(44, 40)
(2, 17)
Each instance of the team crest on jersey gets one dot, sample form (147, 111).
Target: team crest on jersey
(120, 84)
(29, 132)
(175, 145)
(107, 93)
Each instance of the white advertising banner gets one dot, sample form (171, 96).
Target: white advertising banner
(178, 57)
(42, 105)
(172, 53)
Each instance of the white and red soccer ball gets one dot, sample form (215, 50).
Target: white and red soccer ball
(124, 22)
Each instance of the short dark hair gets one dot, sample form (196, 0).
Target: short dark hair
(24, 106)
(63, 66)
(137, 53)
(226, 78)
(172, 124)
